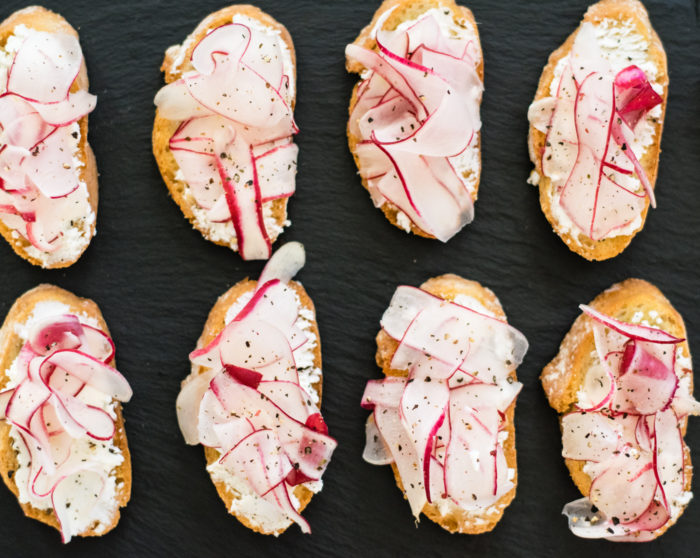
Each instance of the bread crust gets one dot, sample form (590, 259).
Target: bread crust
(448, 287)
(564, 375)
(10, 345)
(620, 10)
(213, 326)
(163, 129)
(41, 19)
(406, 10)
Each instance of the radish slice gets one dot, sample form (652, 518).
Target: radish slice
(384, 393)
(405, 456)
(589, 436)
(633, 331)
(669, 456)
(93, 372)
(188, 404)
(625, 490)
(376, 451)
(284, 264)
(645, 384)
(258, 459)
(634, 95)
(76, 497)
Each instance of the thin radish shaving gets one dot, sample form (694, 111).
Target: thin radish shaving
(417, 107)
(49, 407)
(631, 439)
(245, 399)
(591, 152)
(442, 433)
(233, 145)
(37, 141)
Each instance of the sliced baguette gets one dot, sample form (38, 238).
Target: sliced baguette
(41, 19)
(406, 10)
(623, 11)
(564, 375)
(213, 326)
(163, 129)
(459, 521)
(10, 345)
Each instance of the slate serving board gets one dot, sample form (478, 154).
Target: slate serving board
(156, 279)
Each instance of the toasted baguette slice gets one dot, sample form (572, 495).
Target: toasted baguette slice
(177, 62)
(630, 11)
(10, 345)
(564, 375)
(41, 19)
(213, 326)
(448, 287)
(406, 10)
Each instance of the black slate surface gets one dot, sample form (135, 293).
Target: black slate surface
(155, 279)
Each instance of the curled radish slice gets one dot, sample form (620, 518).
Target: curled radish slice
(628, 432)
(416, 107)
(591, 151)
(442, 432)
(52, 408)
(245, 399)
(37, 140)
(234, 141)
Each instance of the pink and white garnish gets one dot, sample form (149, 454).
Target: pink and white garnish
(234, 142)
(628, 432)
(244, 398)
(62, 369)
(416, 114)
(442, 424)
(592, 151)
(38, 139)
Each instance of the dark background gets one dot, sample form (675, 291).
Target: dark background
(155, 279)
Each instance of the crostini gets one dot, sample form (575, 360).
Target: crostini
(622, 383)
(443, 415)
(48, 174)
(63, 448)
(414, 126)
(224, 125)
(253, 398)
(595, 129)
